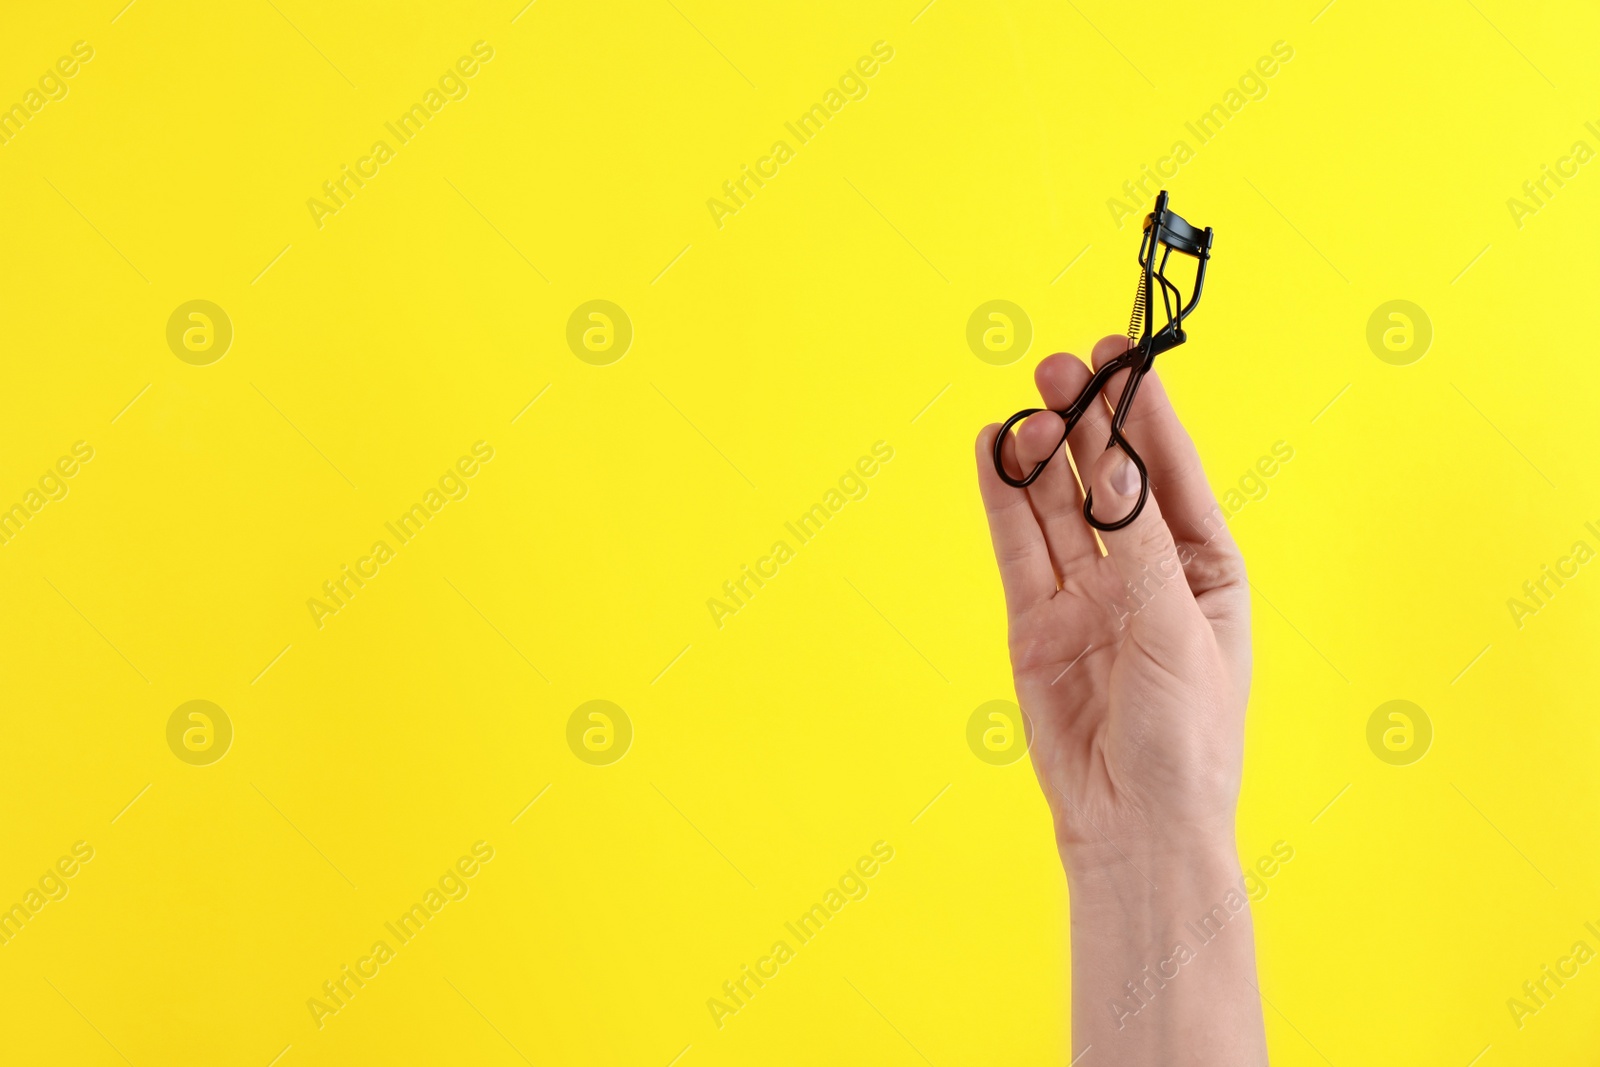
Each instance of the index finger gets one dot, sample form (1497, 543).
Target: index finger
(1019, 547)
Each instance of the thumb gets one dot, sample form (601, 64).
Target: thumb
(1156, 596)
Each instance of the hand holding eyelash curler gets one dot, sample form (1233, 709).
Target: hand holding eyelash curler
(1166, 232)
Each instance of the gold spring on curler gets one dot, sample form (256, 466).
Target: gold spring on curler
(1136, 320)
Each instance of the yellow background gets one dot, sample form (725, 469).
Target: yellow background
(768, 356)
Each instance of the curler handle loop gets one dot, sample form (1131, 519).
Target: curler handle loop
(1038, 468)
(1119, 441)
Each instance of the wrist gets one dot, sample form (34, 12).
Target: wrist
(1188, 858)
(1152, 893)
(1163, 949)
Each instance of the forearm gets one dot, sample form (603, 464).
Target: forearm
(1163, 958)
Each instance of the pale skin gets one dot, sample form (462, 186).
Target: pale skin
(1133, 666)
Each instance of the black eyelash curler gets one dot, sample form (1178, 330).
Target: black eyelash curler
(1169, 233)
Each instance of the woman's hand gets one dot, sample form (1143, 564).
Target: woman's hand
(1134, 670)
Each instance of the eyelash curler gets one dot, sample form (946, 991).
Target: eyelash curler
(1164, 232)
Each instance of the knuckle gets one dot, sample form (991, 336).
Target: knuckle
(1151, 539)
(1220, 567)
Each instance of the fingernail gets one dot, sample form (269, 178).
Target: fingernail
(1125, 477)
